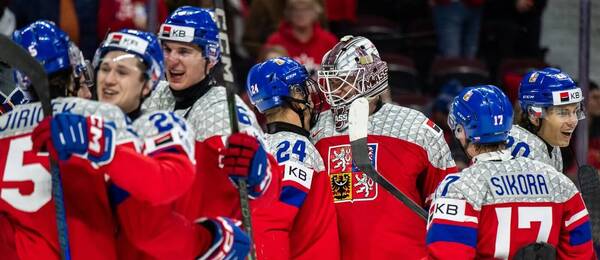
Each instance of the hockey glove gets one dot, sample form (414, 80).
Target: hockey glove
(71, 134)
(539, 250)
(229, 241)
(244, 157)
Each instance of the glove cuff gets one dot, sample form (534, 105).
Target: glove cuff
(216, 228)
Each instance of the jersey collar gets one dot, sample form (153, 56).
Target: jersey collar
(502, 155)
(187, 97)
(286, 127)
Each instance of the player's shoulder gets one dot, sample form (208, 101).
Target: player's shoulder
(296, 147)
(405, 123)
(412, 126)
(465, 185)
(22, 119)
(522, 180)
(87, 107)
(25, 117)
(156, 122)
(390, 120)
(160, 99)
(163, 129)
(561, 183)
(520, 134)
(324, 127)
(210, 114)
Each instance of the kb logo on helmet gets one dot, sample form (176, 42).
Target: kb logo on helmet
(178, 33)
(567, 97)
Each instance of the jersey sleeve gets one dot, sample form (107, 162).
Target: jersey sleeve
(453, 223)
(213, 119)
(315, 231)
(576, 235)
(144, 182)
(440, 162)
(161, 233)
(8, 248)
(165, 167)
(276, 211)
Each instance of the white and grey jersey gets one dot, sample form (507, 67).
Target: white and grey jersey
(523, 143)
(290, 146)
(209, 115)
(397, 122)
(497, 178)
(24, 118)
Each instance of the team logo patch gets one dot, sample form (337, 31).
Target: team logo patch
(433, 127)
(348, 183)
(533, 77)
(561, 76)
(116, 38)
(564, 97)
(127, 42)
(468, 95)
(166, 31)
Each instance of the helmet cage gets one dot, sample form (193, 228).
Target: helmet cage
(341, 87)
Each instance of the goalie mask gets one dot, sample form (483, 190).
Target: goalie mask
(352, 69)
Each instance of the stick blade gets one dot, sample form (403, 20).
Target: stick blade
(358, 118)
(589, 182)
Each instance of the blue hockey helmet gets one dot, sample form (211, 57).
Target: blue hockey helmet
(193, 25)
(548, 87)
(484, 112)
(272, 83)
(269, 82)
(46, 43)
(145, 45)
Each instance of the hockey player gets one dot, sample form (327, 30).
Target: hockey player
(190, 42)
(25, 189)
(129, 64)
(406, 147)
(501, 204)
(551, 105)
(282, 89)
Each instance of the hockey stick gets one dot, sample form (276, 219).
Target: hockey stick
(358, 123)
(589, 183)
(228, 82)
(18, 58)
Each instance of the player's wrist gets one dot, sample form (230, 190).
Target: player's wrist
(229, 241)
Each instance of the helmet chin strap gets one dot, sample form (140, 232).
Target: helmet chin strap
(463, 148)
(299, 111)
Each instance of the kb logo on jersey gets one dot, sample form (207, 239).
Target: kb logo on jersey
(348, 183)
